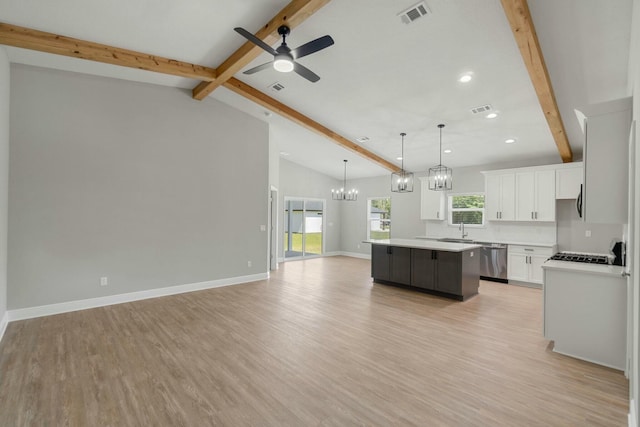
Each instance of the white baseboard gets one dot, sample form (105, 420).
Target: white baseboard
(356, 255)
(633, 417)
(65, 307)
(3, 324)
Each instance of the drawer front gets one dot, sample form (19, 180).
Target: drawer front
(531, 250)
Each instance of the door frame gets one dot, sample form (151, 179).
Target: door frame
(304, 232)
(273, 230)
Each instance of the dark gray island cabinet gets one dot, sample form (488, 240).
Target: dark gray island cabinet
(448, 269)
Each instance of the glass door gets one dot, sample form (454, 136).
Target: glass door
(303, 227)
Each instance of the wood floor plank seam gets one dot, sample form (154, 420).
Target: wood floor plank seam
(317, 344)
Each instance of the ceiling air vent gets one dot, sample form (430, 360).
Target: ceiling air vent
(414, 12)
(276, 87)
(481, 109)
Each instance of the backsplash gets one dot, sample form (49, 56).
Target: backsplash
(542, 232)
(572, 230)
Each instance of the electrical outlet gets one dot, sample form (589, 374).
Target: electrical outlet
(104, 281)
(587, 233)
(248, 263)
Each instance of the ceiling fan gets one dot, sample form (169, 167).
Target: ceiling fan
(284, 58)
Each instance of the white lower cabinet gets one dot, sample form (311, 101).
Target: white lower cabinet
(525, 263)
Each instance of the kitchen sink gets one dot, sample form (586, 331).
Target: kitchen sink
(454, 240)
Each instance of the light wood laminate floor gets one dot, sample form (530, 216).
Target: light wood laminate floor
(318, 344)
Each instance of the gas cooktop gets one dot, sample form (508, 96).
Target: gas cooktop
(578, 257)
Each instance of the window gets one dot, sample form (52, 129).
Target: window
(379, 218)
(467, 208)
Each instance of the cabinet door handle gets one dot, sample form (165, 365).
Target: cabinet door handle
(536, 214)
(497, 215)
(531, 215)
(438, 214)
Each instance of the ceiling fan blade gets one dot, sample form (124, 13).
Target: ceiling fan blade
(312, 47)
(253, 39)
(258, 68)
(305, 72)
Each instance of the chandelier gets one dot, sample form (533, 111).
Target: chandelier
(342, 194)
(440, 177)
(402, 181)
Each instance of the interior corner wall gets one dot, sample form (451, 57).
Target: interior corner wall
(4, 176)
(134, 182)
(301, 182)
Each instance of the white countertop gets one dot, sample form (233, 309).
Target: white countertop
(426, 244)
(581, 267)
(506, 242)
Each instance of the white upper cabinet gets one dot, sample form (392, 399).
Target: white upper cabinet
(431, 202)
(524, 194)
(568, 181)
(536, 195)
(500, 197)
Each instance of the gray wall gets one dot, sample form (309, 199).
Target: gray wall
(298, 181)
(634, 318)
(4, 174)
(571, 231)
(132, 181)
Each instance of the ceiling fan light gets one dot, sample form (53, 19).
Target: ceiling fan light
(283, 63)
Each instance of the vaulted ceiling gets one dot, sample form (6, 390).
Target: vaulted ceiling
(381, 77)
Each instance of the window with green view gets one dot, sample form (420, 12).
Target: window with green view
(467, 208)
(379, 218)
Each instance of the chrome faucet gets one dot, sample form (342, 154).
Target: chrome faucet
(461, 227)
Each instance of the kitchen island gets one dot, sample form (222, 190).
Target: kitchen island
(447, 269)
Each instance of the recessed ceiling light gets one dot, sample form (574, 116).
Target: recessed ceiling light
(492, 115)
(399, 158)
(465, 78)
(284, 153)
(509, 141)
(362, 139)
(447, 151)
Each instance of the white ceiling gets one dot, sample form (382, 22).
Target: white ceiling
(381, 77)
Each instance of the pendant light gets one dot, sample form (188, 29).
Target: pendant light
(402, 181)
(341, 194)
(440, 176)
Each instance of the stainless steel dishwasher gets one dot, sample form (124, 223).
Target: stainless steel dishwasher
(493, 262)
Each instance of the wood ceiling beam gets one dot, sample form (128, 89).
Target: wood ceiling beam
(519, 17)
(292, 15)
(27, 38)
(266, 101)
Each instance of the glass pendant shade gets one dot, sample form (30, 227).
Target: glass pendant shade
(402, 181)
(440, 177)
(341, 193)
